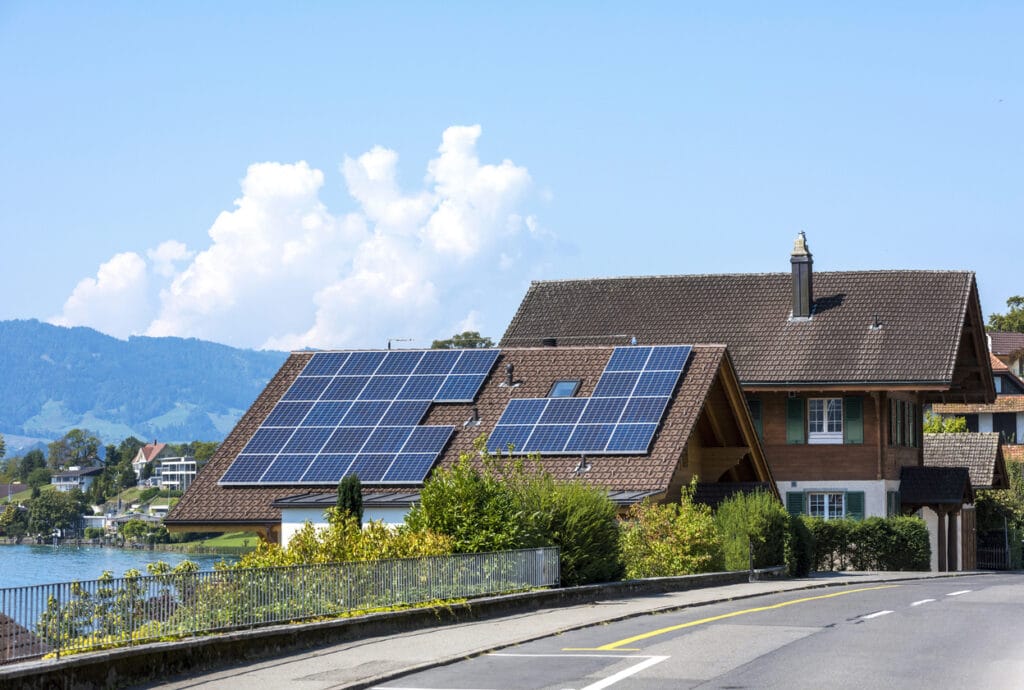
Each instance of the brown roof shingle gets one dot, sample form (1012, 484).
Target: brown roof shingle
(1005, 343)
(1003, 403)
(921, 312)
(980, 453)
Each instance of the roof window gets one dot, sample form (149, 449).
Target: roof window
(564, 388)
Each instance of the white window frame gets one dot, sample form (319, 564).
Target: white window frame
(828, 505)
(824, 420)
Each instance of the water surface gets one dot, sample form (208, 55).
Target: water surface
(26, 564)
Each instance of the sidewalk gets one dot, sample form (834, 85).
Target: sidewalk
(368, 662)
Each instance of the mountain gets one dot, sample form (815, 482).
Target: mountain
(53, 379)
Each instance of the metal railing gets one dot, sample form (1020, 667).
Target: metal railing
(69, 617)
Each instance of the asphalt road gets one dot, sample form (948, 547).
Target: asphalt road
(963, 632)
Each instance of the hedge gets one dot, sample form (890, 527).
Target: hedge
(896, 543)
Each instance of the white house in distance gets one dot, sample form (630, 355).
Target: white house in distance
(147, 454)
(177, 473)
(76, 478)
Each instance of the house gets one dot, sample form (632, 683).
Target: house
(836, 366)
(145, 455)
(80, 478)
(640, 422)
(177, 473)
(1008, 348)
(1004, 416)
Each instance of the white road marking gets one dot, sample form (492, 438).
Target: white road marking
(578, 656)
(625, 673)
(876, 614)
(956, 594)
(923, 601)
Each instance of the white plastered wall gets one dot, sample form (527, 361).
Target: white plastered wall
(931, 519)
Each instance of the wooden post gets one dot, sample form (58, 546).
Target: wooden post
(951, 538)
(941, 539)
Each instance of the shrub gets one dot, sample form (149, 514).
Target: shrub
(344, 540)
(898, 543)
(799, 548)
(475, 507)
(93, 532)
(579, 519)
(756, 521)
(672, 539)
(350, 496)
(148, 494)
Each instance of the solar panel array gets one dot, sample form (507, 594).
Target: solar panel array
(359, 413)
(619, 418)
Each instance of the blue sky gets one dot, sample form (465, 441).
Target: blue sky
(337, 174)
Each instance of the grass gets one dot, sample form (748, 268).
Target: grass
(231, 539)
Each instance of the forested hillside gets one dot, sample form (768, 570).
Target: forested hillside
(53, 379)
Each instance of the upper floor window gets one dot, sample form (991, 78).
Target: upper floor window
(565, 388)
(998, 381)
(825, 420)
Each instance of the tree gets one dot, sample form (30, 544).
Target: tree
(55, 510)
(76, 447)
(937, 424)
(32, 460)
(350, 497)
(3, 446)
(1012, 320)
(469, 339)
(202, 451)
(40, 476)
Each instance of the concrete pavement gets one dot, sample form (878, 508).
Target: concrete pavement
(367, 662)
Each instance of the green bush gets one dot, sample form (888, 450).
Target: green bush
(93, 532)
(756, 522)
(579, 519)
(673, 539)
(475, 507)
(148, 494)
(493, 506)
(799, 548)
(897, 543)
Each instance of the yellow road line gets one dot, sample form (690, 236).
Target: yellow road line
(654, 633)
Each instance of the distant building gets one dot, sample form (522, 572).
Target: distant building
(8, 490)
(80, 478)
(177, 474)
(147, 454)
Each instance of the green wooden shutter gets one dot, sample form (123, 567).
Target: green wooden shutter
(795, 502)
(853, 420)
(755, 416)
(794, 420)
(855, 505)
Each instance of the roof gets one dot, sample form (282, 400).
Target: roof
(18, 642)
(708, 370)
(372, 499)
(931, 486)
(81, 472)
(151, 450)
(980, 453)
(1003, 403)
(9, 489)
(1005, 343)
(922, 315)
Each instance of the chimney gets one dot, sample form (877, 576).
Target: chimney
(803, 291)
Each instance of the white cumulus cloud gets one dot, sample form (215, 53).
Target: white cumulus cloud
(283, 271)
(115, 301)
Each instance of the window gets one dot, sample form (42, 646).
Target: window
(825, 420)
(829, 506)
(755, 415)
(903, 424)
(565, 388)
(998, 382)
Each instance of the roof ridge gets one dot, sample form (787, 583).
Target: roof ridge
(878, 271)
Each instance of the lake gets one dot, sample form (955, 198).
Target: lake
(24, 564)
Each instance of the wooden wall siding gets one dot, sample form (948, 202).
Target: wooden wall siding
(807, 462)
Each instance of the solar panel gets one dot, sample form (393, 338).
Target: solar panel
(358, 412)
(621, 416)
